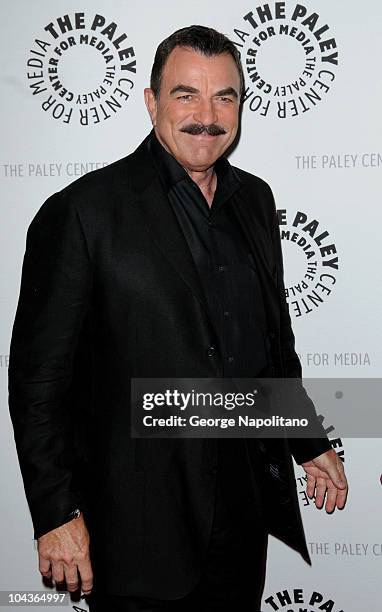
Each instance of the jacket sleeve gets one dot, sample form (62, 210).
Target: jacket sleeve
(54, 296)
(302, 449)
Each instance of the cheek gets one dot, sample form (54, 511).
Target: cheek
(173, 118)
(231, 118)
(229, 113)
(181, 115)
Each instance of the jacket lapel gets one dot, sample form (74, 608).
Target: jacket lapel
(261, 247)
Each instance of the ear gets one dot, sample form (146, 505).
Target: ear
(151, 104)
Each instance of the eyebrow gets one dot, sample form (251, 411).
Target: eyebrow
(186, 88)
(228, 91)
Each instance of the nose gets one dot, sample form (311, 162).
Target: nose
(205, 112)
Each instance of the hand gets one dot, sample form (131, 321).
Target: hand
(65, 550)
(326, 475)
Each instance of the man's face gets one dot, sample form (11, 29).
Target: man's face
(197, 92)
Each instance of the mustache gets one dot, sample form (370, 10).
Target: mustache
(198, 128)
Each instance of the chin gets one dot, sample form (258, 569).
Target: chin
(201, 162)
(205, 155)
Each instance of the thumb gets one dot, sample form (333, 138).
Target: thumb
(337, 477)
(44, 567)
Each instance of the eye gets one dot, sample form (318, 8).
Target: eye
(225, 99)
(186, 97)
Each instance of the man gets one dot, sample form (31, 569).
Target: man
(166, 263)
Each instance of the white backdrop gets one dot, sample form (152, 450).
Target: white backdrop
(314, 136)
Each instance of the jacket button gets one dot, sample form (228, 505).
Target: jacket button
(211, 351)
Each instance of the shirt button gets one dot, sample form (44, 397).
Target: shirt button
(230, 359)
(211, 351)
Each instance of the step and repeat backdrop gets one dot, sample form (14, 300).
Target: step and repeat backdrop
(72, 79)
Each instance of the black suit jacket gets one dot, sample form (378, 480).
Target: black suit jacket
(109, 291)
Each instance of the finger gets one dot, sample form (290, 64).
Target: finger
(86, 573)
(320, 492)
(341, 498)
(331, 498)
(44, 567)
(58, 574)
(310, 486)
(71, 577)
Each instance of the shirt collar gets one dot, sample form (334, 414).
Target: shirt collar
(171, 171)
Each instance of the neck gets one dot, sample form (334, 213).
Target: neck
(206, 181)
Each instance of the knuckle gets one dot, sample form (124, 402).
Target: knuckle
(87, 585)
(71, 584)
(58, 578)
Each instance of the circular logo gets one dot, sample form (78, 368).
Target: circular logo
(82, 69)
(312, 262)
(297, 599)
(289, 58)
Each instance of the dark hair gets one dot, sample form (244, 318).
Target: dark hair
(207, 41)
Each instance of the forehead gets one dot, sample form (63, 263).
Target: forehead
(189, 67)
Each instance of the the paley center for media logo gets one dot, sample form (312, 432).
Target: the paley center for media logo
(81, 68)
(311, 261)
(297, 599)
(289, 56)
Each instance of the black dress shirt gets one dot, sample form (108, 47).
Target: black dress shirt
(232, 290)
(223, 260)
